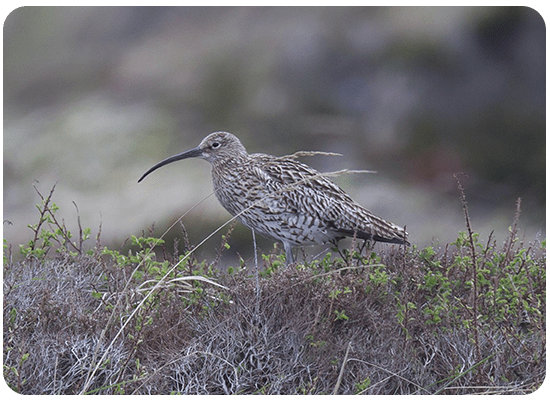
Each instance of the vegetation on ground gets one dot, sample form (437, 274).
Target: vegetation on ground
(460, 318)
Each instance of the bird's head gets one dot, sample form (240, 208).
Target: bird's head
(217, 146)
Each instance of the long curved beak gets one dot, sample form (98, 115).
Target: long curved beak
(196, 152)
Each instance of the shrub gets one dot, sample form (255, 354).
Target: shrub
(467, 317)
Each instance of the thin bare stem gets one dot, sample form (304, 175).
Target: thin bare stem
(474, 266)
(341, 374)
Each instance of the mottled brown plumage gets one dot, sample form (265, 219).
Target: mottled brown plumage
(284, 199)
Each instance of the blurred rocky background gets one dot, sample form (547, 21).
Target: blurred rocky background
(94, 96)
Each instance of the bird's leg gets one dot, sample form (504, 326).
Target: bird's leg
(288, 252)
(257, 274)
(345, 257)
(255, 251)
(368, 245)
(364, 246)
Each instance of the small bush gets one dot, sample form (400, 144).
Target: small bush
(467, 317)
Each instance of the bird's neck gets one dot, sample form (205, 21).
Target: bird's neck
(235, 160)
(228, 167)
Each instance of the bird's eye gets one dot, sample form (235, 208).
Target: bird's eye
(215, 145)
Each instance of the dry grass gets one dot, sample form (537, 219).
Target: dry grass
(392, 321)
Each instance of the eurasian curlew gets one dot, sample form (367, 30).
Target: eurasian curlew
(284, 199)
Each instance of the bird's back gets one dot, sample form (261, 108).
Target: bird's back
(291, 202)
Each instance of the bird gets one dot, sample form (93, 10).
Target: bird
(284, 199)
